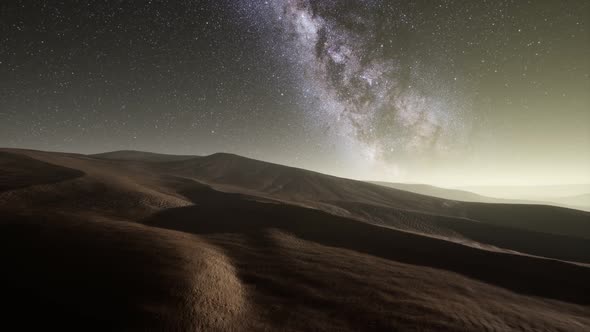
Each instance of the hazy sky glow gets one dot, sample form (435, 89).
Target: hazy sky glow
(445, 92)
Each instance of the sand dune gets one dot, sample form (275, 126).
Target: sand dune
(512, 195)
(445, 193)
(130, 155)
(238, 174)
(135, 240)
(575, 196)
(581, 201)
(20, 171)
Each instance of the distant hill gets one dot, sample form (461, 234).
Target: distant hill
(131, 155)
(446, 193)
(579, 202)
(572, 195)
(531, 192)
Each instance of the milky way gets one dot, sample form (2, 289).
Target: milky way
(355, 85)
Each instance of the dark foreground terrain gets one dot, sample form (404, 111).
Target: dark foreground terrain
(135, 241)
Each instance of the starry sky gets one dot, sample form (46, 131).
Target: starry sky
(446, 92)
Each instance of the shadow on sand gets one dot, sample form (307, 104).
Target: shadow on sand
(217, 212)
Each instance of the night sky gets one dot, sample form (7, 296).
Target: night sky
(442, 92)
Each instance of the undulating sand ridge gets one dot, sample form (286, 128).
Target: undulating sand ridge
(145, 241)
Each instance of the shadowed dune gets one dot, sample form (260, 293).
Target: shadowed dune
(100, 274)
(540, 218)
(141, 241)
(217, 212)
(19, 171)
(474, 233)
(301, 285)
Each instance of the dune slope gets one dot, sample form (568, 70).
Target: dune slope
(218, 243)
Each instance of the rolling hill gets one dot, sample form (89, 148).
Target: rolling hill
(132, 240)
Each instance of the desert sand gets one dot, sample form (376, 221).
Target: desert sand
(133, 241)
